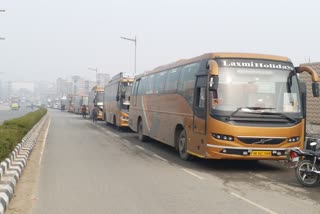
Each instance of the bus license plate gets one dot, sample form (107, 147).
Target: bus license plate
(260, 153)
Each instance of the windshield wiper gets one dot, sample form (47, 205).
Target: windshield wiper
(248, 110)
(275, 113)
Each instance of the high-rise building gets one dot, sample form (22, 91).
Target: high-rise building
(78, 85)
(45, 90)
(1, 90)
(89, 85)
(103, 78)
(64, 87)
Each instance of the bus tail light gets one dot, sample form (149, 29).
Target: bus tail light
(293, 155)
(223, 137)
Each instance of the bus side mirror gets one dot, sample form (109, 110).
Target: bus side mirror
(212, 66)
(213, 82)
(315, 89)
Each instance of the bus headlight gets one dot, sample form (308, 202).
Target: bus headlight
(293, 139)
(223, 137)
(124, 118)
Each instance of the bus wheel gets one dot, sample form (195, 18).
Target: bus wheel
(141, 136)
(182, 146)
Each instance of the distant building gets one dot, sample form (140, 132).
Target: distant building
(89, 85)
(15, 88)
(103, 78)
(313, 103)
(45, 90)
(2, 94)
(79, 85)
(64, 87)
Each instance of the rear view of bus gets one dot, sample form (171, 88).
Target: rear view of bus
(116, 100)
(240, 106)
(96, 99)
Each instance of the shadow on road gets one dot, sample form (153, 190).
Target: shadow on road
(228, 170)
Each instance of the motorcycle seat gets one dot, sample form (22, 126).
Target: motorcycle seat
(311, 152)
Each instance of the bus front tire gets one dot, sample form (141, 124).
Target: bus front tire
(141, 136)
(182, 146)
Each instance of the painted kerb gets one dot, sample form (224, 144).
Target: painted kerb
(12, 167)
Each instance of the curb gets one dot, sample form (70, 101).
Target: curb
(12, 167)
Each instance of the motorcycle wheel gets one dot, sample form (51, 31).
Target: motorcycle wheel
(304, 176)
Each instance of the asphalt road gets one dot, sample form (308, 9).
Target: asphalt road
(6, 113)
(90, 168)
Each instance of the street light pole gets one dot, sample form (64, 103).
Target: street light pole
(2, 11)
(135, 51)
(96, 70)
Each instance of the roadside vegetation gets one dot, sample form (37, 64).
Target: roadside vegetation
(12, 131)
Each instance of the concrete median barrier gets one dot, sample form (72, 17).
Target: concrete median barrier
(12, 167)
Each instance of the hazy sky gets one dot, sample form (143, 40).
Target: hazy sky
(59, 38)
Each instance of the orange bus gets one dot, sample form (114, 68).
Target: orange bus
(116, 100)
(96, 98)
(223, 106)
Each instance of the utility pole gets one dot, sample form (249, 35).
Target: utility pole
(96, 70)
(2, 11)
(135, 51)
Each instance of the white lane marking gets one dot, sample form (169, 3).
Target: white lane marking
(259, 175)
(253, 203)
(161, 158)
(126, 141)
(140, 147)
(110, 133)
(44, 141)
(193, 174)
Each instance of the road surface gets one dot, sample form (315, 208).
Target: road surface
(6, 113)
(90, 168)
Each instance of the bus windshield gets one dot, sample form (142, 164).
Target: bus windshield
(257, 88)
(125, 90)
(99, 98)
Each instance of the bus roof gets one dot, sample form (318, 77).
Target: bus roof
(216, 56)
(121, 77)
(98, 88)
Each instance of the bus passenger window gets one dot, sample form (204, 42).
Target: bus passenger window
(141, 86)
(172, 81)
(187, 80)
(160, 79)
(149, 84)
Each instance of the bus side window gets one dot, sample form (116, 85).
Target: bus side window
(172, 80)
(200, 97)
(149, 84)
(187, 81)
(140, 87)
(160, 79)
(135, 91)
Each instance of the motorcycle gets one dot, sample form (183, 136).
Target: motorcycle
(307, 164)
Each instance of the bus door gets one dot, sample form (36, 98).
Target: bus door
(198, 139)
(199, 105)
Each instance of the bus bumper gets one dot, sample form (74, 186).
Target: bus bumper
(245, 153)
(124, 120)
(100, 116)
